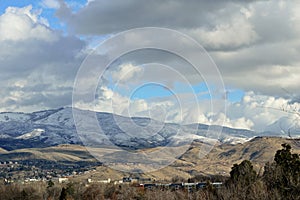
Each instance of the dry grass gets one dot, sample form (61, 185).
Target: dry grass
(218, 161)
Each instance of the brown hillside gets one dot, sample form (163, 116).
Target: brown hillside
(217, 162)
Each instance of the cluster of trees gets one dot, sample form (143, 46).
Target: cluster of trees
(280, 180)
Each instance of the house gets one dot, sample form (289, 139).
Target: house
(176, 186)
(190, 186)
(63, 180)
(89, 180)
(200, 185)
(149, 186)
(126, 180)
(104, 181)
(217, 184)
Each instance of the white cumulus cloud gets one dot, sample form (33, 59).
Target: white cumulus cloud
(22, 23)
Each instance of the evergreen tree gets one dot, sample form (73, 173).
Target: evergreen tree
(50, 184)
(243, 174)
(284, 173)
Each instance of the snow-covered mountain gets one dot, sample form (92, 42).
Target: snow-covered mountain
(53, 127)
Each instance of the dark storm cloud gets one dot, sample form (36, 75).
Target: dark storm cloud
(105, 17)
(22, 57)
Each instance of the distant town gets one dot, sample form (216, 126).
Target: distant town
(26, 172)
(42, 170)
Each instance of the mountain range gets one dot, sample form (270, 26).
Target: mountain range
(53, 127)
(51, 135)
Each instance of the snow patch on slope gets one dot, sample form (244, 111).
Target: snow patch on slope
(235, 140)
(32, 134)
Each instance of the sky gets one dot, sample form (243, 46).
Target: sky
(254, 46)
